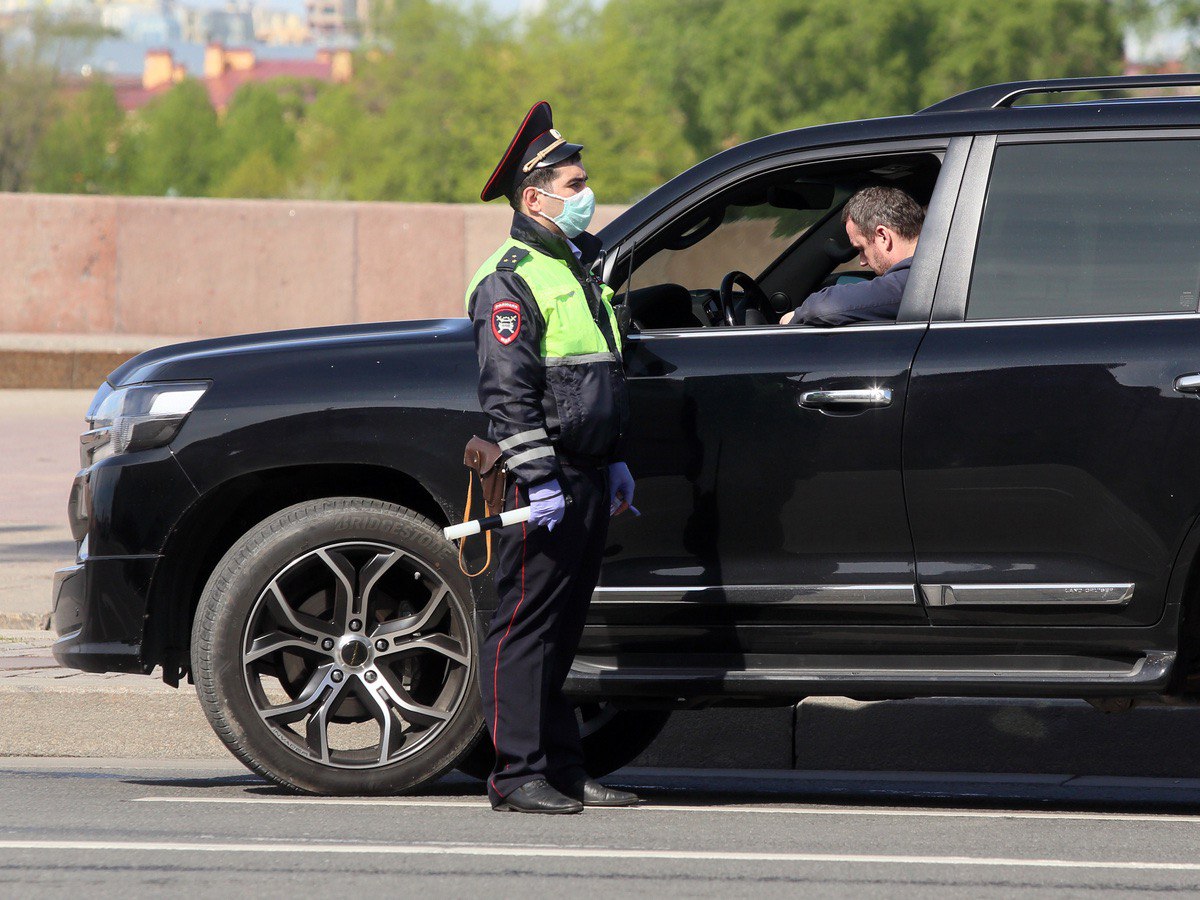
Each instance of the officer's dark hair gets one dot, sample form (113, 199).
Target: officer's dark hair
(539, 178)
(887, 206)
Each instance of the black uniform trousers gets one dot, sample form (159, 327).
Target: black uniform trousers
(545, 581)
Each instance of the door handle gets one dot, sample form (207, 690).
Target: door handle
(1188, 384)
(856, 398)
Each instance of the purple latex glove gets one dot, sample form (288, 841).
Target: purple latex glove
(547, 504)
(620, 487)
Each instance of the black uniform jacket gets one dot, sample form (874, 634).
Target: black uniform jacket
(545, 413)
(877, 300)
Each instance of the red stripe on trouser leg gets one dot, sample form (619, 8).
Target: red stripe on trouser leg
(496, 668)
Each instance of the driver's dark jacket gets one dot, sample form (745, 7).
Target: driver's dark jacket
(877, 300)
(580, 410)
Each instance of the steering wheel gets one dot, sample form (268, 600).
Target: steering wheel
(754, 295)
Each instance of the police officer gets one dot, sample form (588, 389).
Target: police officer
(553, 386)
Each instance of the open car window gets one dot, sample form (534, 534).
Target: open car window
(744, 236)
(783, 229)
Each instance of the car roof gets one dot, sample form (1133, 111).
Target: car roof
(987, 110)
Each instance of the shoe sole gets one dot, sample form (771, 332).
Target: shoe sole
(612, 804)
(505, 807)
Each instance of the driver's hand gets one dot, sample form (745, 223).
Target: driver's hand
(787, 318)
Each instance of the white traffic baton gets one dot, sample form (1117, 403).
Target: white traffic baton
(476, 526)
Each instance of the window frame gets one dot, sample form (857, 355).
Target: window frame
(954, 283)
(918, 295)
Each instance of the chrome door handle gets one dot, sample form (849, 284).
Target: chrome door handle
(855, 398)
(1188, 384)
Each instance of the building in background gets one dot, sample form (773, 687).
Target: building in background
(338, 22)
(227, 69)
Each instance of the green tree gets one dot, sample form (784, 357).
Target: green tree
(986, 42)
(175, 143)
(81, 152)
(255, 124)
(438, 110)
(30, 58)
(740, 69)
(258, 174)
(331, 144)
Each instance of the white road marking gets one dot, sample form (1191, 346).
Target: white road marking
(590, 853)
(473, 803)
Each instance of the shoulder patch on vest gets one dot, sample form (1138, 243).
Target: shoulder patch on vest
(508, 262)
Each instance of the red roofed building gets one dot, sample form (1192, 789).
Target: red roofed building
(227, 70)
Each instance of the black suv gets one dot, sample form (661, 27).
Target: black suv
(994, 495)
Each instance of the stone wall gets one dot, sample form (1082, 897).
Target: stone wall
(183, 267)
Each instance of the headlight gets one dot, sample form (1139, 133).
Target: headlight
(136, 417)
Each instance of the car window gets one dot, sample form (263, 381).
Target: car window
(1088, 229)
(749, 238)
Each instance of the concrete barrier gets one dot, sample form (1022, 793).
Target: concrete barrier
(188, 267)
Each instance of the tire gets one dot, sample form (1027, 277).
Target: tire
(612, 738)
(334, 650)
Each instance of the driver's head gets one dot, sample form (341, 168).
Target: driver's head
(883, 224)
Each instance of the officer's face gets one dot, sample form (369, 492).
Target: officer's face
(568, 181)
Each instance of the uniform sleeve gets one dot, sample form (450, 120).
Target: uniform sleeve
(877, 300)
(512, 376)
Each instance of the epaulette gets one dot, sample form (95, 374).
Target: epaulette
(508, 262)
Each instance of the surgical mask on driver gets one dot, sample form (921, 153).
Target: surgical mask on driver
(577, 211)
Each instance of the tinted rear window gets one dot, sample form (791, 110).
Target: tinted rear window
(1089, 229)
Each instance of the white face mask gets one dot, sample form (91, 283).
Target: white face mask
(577, 211)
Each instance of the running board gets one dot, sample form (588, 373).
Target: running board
(778, 677)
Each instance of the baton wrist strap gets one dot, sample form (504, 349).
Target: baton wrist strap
(487, 537)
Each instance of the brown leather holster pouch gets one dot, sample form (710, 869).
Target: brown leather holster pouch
(485, 461)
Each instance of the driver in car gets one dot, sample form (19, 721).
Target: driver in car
(883, 224)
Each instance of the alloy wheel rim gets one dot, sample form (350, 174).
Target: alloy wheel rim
(356, 655)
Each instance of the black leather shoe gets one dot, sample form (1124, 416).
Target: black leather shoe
(590, 792)
(538, 796)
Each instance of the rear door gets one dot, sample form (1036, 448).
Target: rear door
(1053, 422)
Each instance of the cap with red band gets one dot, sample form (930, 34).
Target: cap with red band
(535, 146)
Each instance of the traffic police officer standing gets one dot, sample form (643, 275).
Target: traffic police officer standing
(552, 384)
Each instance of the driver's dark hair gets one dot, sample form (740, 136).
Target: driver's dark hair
(887, 206)
(539, 178)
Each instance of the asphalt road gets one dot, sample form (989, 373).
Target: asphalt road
(208, 829)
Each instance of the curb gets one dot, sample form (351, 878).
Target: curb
(24, 621)
(69, 361)
(57, 368)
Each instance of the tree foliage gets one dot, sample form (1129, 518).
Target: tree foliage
(648, 86)
(175, 142)
(81, 150)
(30, 60)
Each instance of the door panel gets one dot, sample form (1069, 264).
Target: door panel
(758, 511)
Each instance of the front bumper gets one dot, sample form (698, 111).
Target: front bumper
(98, 611)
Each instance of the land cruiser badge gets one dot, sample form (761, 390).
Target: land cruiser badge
(506, 321)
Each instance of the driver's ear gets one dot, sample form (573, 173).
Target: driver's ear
(884, 235)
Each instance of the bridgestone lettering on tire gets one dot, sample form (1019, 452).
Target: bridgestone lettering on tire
(334, 650)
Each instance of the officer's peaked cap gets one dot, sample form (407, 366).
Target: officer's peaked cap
(536, 145)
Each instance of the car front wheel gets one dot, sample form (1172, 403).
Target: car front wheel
(333, 649)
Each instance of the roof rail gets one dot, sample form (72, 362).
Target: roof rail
(1002, 96)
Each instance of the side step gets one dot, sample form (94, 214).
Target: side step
(778, 676)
